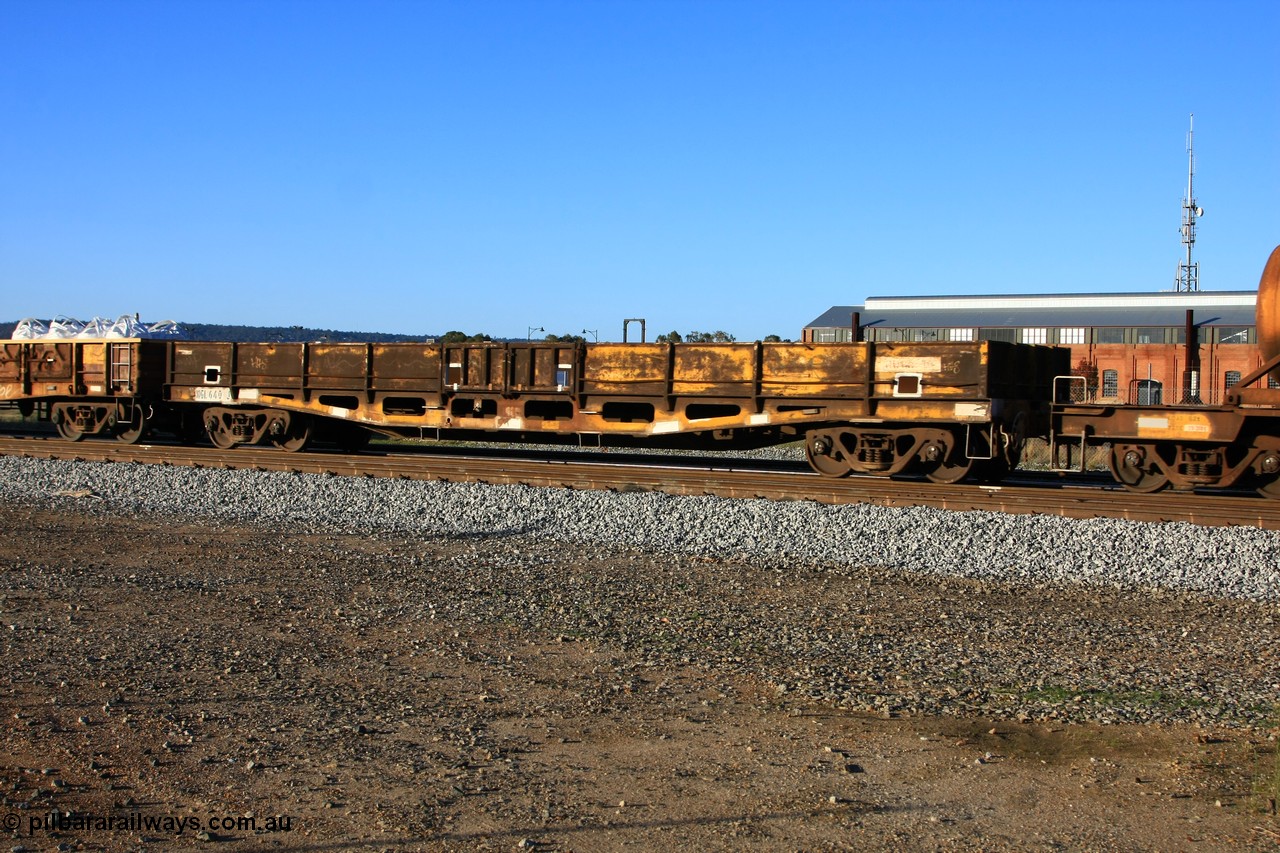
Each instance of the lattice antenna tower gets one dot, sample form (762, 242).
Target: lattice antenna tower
(1188, 272)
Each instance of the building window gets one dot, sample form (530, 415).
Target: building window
(1009, 335)
(1272, 382)
(1233, 334)
(825, 336)
(1110, 335)
(1035, 336)
(1110, 383)
(1148, 335)
(1071, 336)
(1233, 379)
(1150, 392)
(962, 334)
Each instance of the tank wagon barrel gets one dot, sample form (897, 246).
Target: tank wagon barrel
(1268, 310)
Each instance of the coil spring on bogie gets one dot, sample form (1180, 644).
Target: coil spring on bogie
(874, 456)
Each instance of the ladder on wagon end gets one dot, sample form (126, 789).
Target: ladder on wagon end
(1068, 389)
(120, 367)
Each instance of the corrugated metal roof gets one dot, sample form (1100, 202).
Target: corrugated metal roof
(1224, 308)
(1211, 300)
(836, 316)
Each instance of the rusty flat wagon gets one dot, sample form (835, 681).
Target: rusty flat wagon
(873, 407)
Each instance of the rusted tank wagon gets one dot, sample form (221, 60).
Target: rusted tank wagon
(1185, 444)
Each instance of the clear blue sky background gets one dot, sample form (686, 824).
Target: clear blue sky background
(490, 166)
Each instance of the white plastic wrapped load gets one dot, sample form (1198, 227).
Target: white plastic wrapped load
(165, 329)
(30, 329)
(64, 327)
(98, 327)
(126, 326)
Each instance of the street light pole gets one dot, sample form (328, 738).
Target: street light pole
(533, 329)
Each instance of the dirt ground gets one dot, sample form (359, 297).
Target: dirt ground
(179, 685)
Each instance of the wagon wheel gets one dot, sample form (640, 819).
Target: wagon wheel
(1135, 468)
(1267, 474)
(1270, 488)
(67, 429)
(825, 457)
(296, 437)
(944, 462)
(130, 431)
(953, 469)
(218, 437)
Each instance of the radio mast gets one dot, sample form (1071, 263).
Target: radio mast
(1188, 272)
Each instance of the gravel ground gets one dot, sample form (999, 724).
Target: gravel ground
(420, 666)
(791, 590)
(786, 536)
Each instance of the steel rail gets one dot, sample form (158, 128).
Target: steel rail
(716, 477)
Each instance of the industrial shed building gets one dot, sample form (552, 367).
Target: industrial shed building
(1132, 346)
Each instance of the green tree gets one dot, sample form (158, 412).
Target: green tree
(670, 338)
(455, 337)
(710, 337)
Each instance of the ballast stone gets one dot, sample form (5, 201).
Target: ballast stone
(1234, 562)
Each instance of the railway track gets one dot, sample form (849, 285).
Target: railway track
(685, 475)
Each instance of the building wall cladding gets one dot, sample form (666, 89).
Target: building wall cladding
(1221, 365)
(1122, 352)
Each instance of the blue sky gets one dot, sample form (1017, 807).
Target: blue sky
(415, 167)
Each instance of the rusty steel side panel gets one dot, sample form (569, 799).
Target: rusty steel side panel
(476, 367)
(1150, 423)
(1024, 371)
(91, 367)
(33, 369)
(945, 370)
(541, 368)
(269, 365)
(50, 361)
(714, 370)
(1260, 401)
(13, 359)
(190, 360)
(337, 367)
(626, 370)
(148, 366)
(814, 371)
(407, 367)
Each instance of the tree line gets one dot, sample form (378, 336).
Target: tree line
(300, 334)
